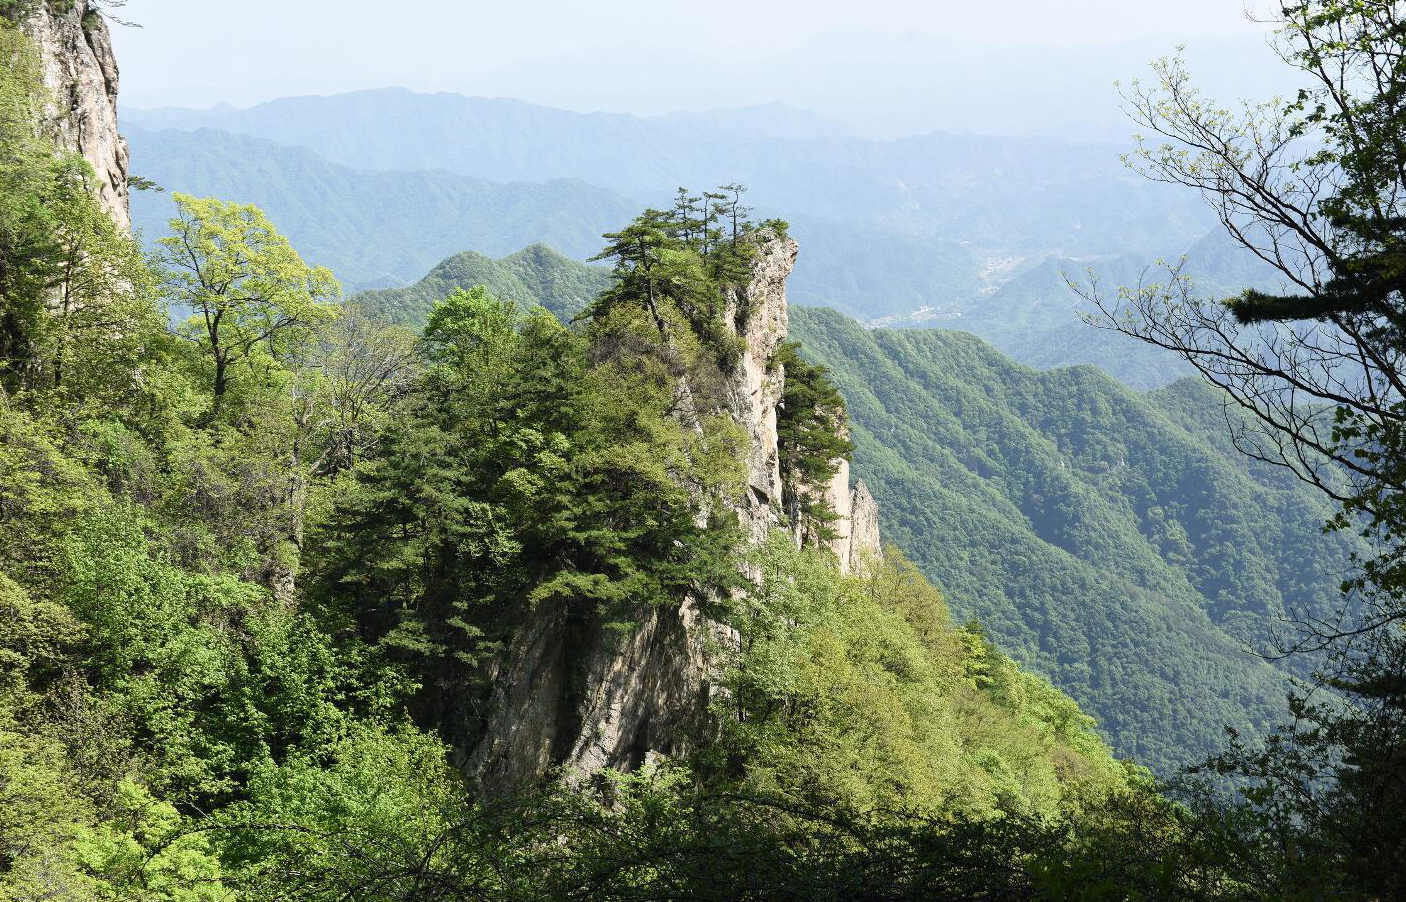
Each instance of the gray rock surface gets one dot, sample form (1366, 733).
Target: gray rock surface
(761, 317)
(862, 545)
(81, 81)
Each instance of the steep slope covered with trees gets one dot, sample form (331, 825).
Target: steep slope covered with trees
(1113, 541)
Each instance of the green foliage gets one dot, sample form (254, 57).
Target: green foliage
(35, 638)
(856, 693)
(54, 839)
(534, 276)
(521, 477)
(667, 277)
(355, 814)
(255, 301)
(1115, 542)
(813, 435)
(208, 673)
(385, 817)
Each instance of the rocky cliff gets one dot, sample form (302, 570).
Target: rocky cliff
(856, 526)
(80, 80)
(571, 694)
(759, 315)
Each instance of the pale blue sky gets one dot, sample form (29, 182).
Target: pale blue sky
(649, 56)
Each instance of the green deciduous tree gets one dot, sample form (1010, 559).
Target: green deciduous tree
(254, 299)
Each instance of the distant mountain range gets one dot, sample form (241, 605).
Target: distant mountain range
(1039, 318)
(373, 229)
(382, 185)
(997, 196)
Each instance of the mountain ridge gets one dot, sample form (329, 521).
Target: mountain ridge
(1135, 562)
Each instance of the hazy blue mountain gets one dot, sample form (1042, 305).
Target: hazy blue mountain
(874, 271)
(1039, 320)
(386, 229)
(373, 229)
(1220, 266)
(766, 120)
(1028, 197)
(1112, 539)
(534, 275)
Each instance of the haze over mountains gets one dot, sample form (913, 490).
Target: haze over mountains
(1048, 71)
(892, 85)
(382, 185)
(996, 196)
(374, 229)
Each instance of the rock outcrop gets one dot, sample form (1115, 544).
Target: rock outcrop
(862, 544)
(855, 540)
(760, 317)
(569, 693)
(80, 79)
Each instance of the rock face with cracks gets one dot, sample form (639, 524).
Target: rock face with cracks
(80, 80)
(571, 695)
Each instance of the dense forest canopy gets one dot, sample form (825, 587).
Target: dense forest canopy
(1115, 542)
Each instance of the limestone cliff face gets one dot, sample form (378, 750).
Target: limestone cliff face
(81, 80)
(862, 545)
(760, 317)
(569, 694)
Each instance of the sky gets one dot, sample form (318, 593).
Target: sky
(881, 66)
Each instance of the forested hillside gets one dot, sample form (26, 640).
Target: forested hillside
(535, 275)
(1041, 316)
(1113, 541)
(276, 582)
